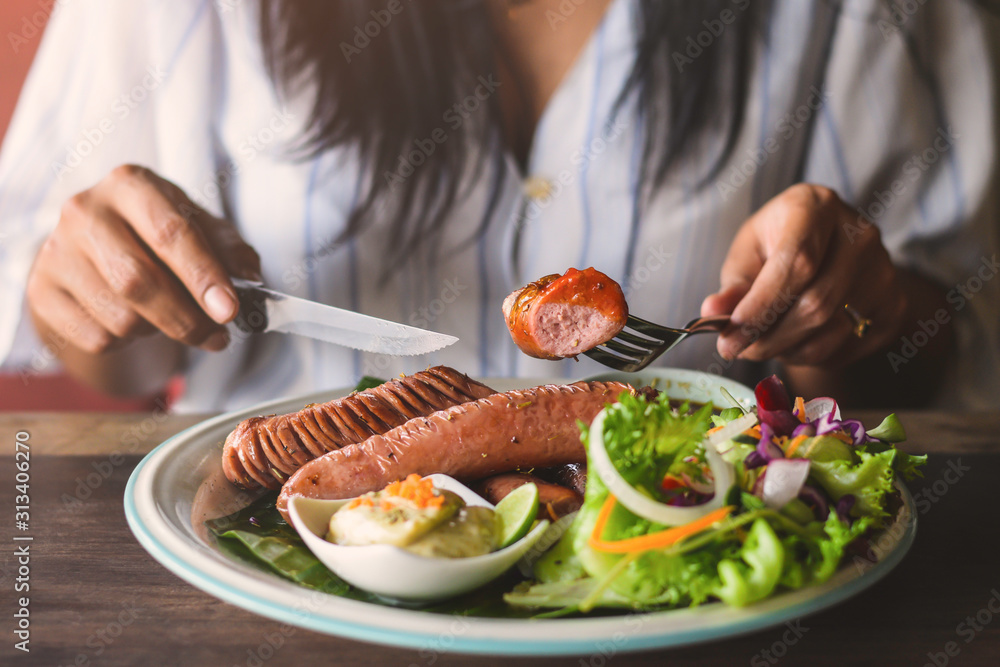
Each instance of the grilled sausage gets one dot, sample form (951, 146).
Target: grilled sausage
(563, 316)
(528, 428)
(571, 475)
(265, 451)
(554, 500)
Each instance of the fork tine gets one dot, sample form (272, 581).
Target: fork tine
(641, 341)
(629, 353)
(621, 348)
(610, 360)
(648, 328)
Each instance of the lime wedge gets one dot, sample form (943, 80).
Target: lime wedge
(516, 512)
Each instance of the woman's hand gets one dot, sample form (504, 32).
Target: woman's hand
(790, 270)
(134, 256)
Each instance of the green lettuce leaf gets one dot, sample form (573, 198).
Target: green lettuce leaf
(868, 480)
(815, 559)
(568, 595)
(258, 533)
(754, 576)
(890, 430)
(651, 439)
(369, 382)
(645, 438)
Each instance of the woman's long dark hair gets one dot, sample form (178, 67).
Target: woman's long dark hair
(382, 90)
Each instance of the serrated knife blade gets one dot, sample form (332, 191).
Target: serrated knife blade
(263, 309)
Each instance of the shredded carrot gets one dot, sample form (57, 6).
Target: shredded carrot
(794, 444)
(780, 441)
(365, 500)
(841, 436)
(800, 408)
(714, 429)
(660, 540)
(753, 431)
(415, 489)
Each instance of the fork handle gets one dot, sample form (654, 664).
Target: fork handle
(707, 324)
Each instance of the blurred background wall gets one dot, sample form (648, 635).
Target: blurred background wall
(22, 23)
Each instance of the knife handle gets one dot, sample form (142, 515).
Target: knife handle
(252, 317)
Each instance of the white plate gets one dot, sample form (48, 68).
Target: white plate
(180, 485)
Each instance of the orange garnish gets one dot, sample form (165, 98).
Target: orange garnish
(660, 540)
(841, 436)
(794, 444)
(414, 488)
(361, 500)
(800, 408)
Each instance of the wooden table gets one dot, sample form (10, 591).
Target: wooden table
(97, 598)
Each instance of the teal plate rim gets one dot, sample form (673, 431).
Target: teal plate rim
(282, 601)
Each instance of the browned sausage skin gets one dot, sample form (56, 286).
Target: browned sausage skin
(528, 428)
(554, 500)
(571, 475)
(563, 316)
(266, 451)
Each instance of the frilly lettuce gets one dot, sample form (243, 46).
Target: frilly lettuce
(758, 570)
(868, 480)
(741, 559)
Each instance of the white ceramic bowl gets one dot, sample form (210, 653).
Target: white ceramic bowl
(396, 573)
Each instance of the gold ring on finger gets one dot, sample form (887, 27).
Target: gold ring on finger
(861, 323)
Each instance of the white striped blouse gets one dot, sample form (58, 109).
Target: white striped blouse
(901, 127)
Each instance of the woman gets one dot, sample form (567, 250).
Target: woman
(418, 161)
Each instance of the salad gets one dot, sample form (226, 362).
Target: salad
(686, 507)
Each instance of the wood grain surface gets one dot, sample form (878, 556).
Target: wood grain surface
(97, 598)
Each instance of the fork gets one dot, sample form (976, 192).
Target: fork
(630, 352)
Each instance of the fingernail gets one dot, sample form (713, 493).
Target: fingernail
(251, 274)
(728, 349)
(216, 341)
(220, 304)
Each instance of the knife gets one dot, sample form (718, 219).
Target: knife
(263, 309)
